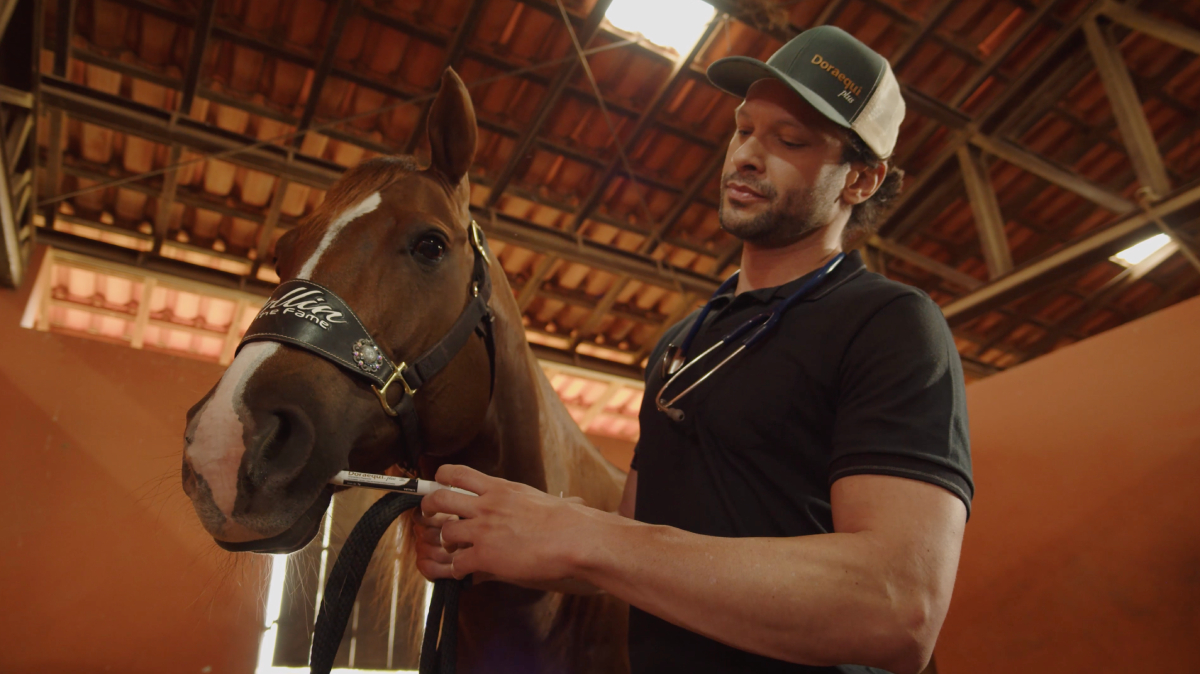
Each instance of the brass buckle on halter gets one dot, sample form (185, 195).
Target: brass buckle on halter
(398, 373)
(477, 241)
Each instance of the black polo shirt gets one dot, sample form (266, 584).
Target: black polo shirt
(861, 376)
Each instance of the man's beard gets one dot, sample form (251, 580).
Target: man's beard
(789, 217)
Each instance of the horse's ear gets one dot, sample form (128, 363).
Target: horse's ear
(452, 129)
(283, 253)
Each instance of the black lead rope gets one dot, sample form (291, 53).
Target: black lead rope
(437, 656)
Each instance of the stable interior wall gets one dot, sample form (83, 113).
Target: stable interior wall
(1083, 549)
(105, 566)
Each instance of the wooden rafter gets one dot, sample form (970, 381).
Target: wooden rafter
(1127, 108)
(1103, 242)
(545, 106)
(1168, 32)
(989, 221)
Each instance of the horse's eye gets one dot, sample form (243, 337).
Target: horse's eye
(430, 247)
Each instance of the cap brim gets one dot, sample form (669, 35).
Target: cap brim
(735, 74)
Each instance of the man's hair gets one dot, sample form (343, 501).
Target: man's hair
(864, 218)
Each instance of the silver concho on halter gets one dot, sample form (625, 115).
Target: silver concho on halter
(368, 356)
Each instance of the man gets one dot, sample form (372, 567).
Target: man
(801, 509)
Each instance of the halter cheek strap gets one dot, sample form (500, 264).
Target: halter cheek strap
(312, 317)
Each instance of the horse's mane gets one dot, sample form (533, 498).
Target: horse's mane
(355, 185)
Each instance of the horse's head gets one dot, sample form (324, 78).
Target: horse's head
(393, 242)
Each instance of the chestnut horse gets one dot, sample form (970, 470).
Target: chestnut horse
(393, 241)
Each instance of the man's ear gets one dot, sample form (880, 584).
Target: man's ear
(862, 181)
(283, 254)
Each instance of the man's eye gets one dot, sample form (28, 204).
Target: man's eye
(430, 247)
(791, 144)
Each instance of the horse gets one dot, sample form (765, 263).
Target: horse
(393, 240)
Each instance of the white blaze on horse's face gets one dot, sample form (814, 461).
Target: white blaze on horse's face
(217, 443)
(216, 449)
(350, 215)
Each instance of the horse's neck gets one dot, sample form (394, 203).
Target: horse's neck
(529, 436)
(571, 465)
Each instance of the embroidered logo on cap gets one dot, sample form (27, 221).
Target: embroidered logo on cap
(851, 89)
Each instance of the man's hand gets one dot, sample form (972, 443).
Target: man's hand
(510, 530)
(433, 561)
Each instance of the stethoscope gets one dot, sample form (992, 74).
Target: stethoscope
(675, 361)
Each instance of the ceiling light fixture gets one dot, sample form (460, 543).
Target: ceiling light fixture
(673, 24)
(1138, 252)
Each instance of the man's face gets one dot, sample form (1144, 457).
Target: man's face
(783, 173)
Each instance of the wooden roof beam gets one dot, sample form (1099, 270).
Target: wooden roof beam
(989, 221)
(1171, 33)
(549, 100)
(454, 52)
(901, 252)
(63, 35)
(679, 72)
(989, 66)
(14, 268)
(191, 85)
(1098, 300)
(1127, 108)
(155, 263)
(592, 253)
(1052, 173)
(201, 33)
(324, 67)
(1049, 61)
(1105, 241)
(929, 24)
(154, 124)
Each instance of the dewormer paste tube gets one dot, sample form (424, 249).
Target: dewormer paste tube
(407, 485)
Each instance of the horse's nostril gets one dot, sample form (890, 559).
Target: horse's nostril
(283, 443)
(276, 437)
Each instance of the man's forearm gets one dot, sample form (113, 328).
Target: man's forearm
(817, 600)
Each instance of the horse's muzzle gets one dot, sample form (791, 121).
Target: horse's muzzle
(294, 538)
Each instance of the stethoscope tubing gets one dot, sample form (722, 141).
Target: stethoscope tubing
(764, 321)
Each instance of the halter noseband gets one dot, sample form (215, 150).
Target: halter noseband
(312, 317)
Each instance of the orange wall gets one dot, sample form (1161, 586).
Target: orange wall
(1083, 549)
(104, 565)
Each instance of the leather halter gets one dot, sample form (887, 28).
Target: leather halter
(312, 317)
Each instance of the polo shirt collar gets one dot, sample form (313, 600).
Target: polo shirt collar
(847, 269)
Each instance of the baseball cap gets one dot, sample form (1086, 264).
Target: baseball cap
(833, 71)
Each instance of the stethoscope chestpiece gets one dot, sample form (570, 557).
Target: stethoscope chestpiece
(672, 361)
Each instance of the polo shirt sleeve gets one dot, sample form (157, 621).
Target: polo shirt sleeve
(901, 407)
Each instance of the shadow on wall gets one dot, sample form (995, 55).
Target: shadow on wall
(1083, 549)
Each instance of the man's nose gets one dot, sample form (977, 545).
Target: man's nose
(745, 154)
